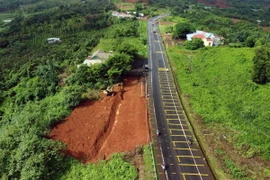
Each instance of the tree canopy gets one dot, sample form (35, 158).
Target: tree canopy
(261, 65)
(194, 44)
(182, 29)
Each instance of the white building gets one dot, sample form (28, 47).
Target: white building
(53, 40)
(121, 15)
(98, 57)
(7, 20)
(209, 39)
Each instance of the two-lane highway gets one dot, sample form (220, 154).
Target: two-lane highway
(183, 160)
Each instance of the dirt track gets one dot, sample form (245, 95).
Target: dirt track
(97, 129)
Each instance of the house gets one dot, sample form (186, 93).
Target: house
(121, 15)
(53, 40)
(98, 57)
(7, 20)
(209, 39)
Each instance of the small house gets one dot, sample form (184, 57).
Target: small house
(53, 40)
(121, 15)
(98, 57)
(209, 39)
(7, 20)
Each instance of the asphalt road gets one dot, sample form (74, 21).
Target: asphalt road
(183, 161)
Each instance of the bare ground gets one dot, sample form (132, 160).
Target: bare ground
(97, 129)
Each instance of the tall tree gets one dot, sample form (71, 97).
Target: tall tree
(183, 28)
(194, 44)
(261, 66)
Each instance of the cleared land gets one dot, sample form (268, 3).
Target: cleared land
(97, 129)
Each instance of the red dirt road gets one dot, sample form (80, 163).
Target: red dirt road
(97, 129)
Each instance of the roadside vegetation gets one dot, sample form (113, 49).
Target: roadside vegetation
(115, 168)
(227, 88)
(218, 85)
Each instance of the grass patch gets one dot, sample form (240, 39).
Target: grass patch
(148, 162)
(115, 168)
(217, 82)
(229, 166)
(9, 15)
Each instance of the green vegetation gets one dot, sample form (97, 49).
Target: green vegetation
(115, 168)
(226, 86)
(148, 162)
(40, 83)
(261, 67)
(229, 166)
(250, 10)
(219, 86)
(194, 44)
(183, 28)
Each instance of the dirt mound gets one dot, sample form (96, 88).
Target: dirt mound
(97, 129)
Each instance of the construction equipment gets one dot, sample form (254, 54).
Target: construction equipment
(109, 91)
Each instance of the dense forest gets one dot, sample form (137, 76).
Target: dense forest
(257, 12)
(40, 83)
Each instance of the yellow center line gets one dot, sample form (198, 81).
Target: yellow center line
(173, 111)
(171, 105)
(192, 174)
(186, 149)
(167, 97)
(176, 124)
(162, 69)
(180, 135)
(191, 164)
(169, 94)
(172, 119)
(174, 142)
(188, 156)
(181, 130)
(161, 52)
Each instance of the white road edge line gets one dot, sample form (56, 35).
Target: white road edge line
(166, 173)
(178, 114)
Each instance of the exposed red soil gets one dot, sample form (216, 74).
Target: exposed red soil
(216, 3)
(97, 129)
(265, 28)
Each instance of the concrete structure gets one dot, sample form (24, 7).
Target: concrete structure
(98, 57)
(53, 40)
(7, 20)
(209, 39)
(121, 15)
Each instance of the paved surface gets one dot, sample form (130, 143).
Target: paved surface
(184, 161)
